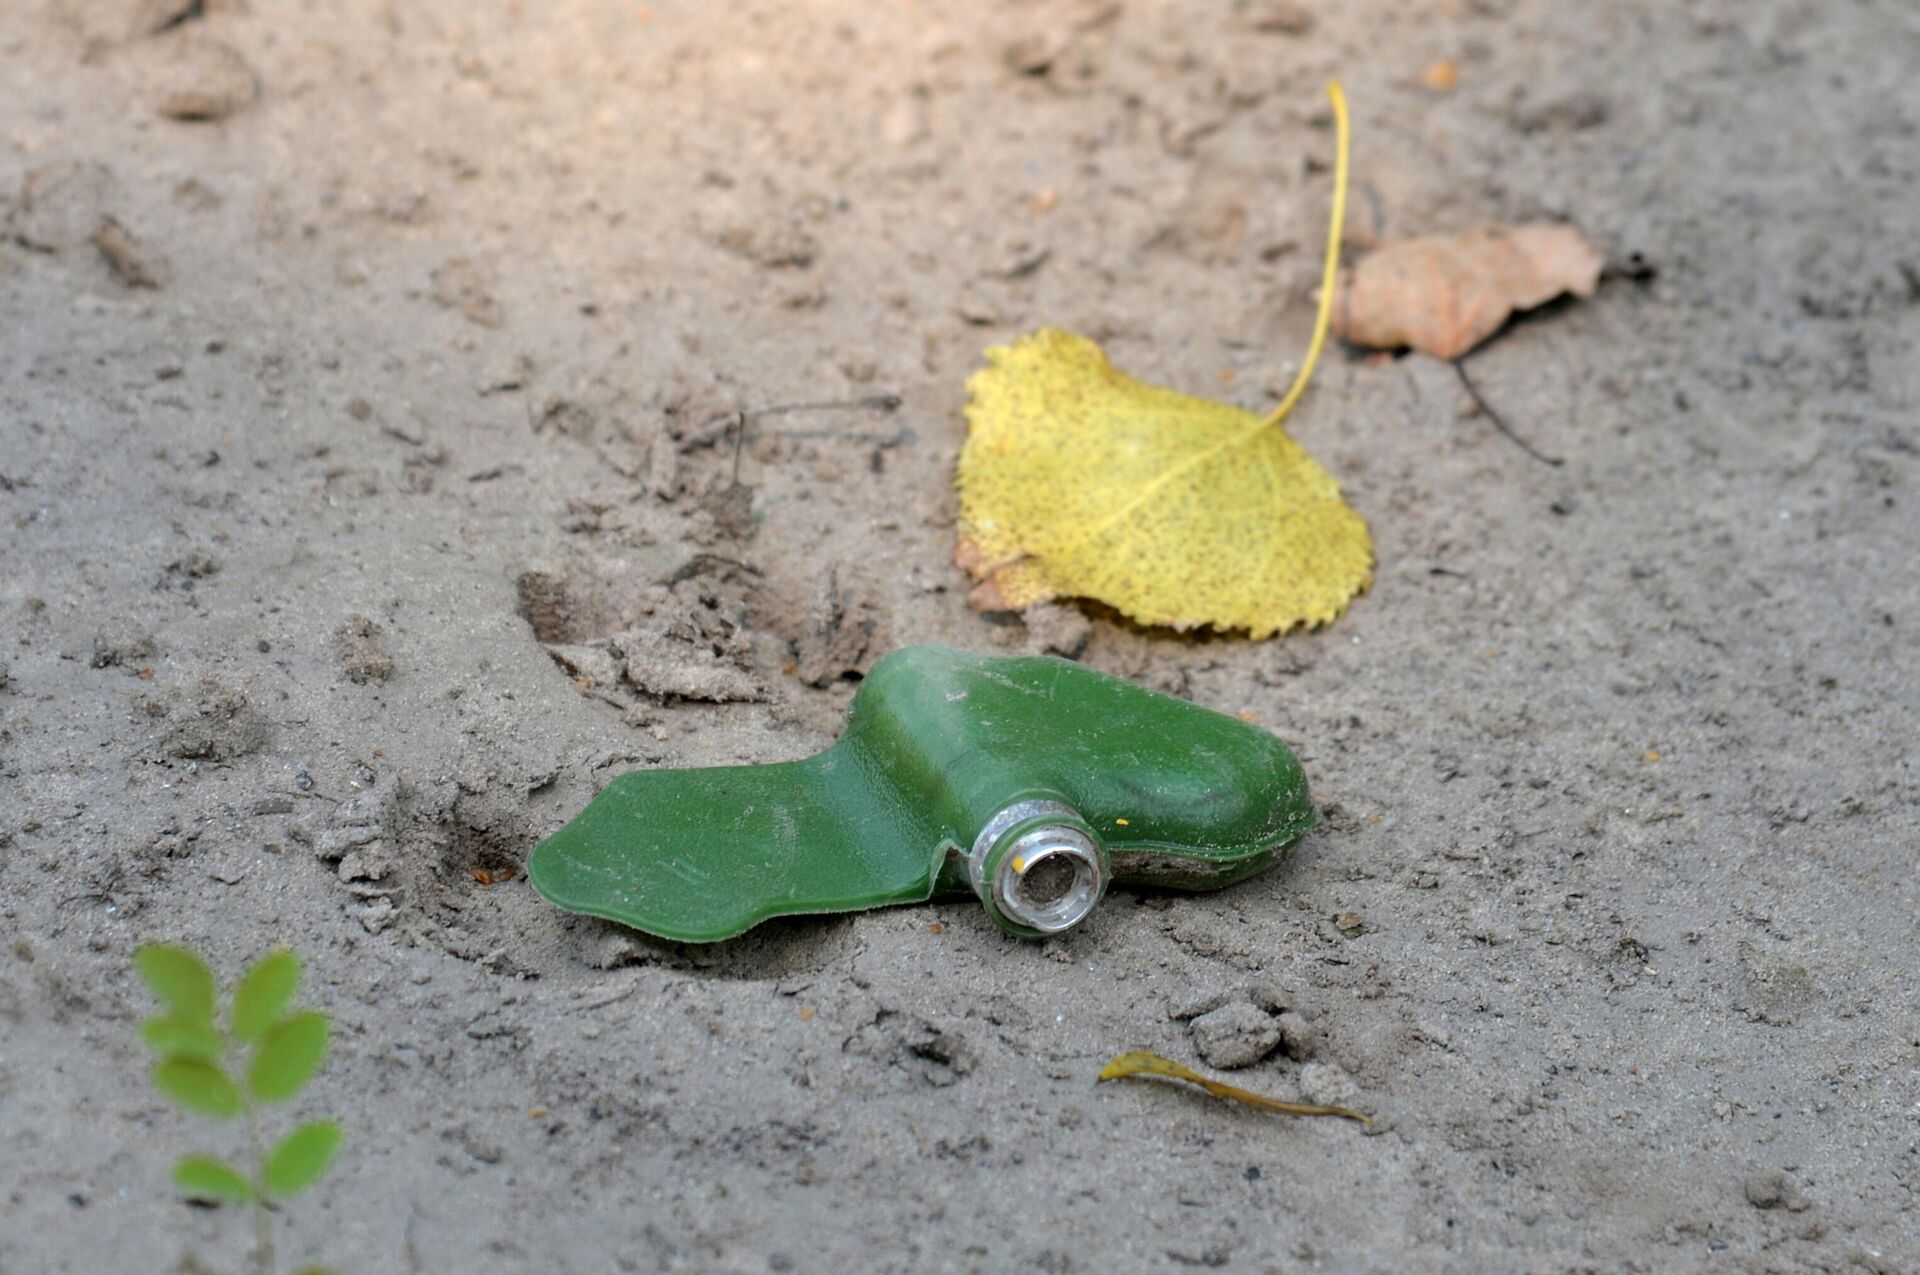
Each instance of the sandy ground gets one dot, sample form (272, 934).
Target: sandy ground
(323, 420)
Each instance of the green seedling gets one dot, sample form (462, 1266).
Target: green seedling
(263, 1053)
(1030, 782)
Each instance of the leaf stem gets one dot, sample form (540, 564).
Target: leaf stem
(1330, 275)
(262, 1222)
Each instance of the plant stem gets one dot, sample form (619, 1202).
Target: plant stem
(1330, 273)
(262, 1222)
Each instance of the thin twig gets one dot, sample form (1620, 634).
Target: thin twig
(739, 419)
(869, 403)
(1466, 383)
(1330, 269)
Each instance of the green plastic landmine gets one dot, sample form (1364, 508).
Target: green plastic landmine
(1031, 782)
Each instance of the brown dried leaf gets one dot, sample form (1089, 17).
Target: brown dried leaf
(1445, 294)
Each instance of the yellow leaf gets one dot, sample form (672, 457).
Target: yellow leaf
(1079, 481)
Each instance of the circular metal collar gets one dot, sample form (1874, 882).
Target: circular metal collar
(1052, 875)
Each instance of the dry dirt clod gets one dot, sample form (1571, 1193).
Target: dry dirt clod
(121, 644)
(608, 626)
(361, 646)
(1211, 223)
(663, 468)
(1238, 1034)
(1280, 17)
(1328, 1085)
(1772, 1189)
(61, 205)
(839, 641)
(774, 247)
(206, 81)
(1055, 628)
(590, 664)
(1299, 1038)
(662, 665)
(1196, 1001)
(731, 508)
(151, 17)
(1034, 53)
(216, 723)
(132, 261)
(1568, 112)
(461, 285)
(1771, 989)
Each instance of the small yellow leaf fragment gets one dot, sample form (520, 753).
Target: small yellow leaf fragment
(1122, 822)
(1652, 755)
(1140, 1063)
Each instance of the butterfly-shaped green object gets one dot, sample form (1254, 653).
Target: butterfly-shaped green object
(1032, 782)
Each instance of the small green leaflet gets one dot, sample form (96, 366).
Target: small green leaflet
(171, 1037)
(205, 1178)
(180, 979)
(301, 1157)
(263, 994)
(199, 1086)
(288, 1056)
